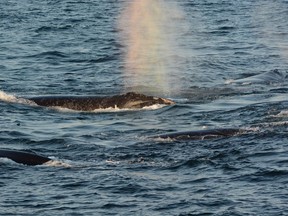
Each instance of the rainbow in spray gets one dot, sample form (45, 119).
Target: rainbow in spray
(149, 34)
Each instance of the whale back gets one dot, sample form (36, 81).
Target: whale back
(129, 100)
(201, 134)
(23, 157)
(84, 103)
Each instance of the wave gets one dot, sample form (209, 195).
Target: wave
(44, 29)
(102, 59)
(49, 54)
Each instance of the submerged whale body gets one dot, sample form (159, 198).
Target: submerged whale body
(23, 157)
(270, 77)
(28, 158)
(129, 100)
(201, 134)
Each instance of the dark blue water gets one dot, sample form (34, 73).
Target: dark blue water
(227, 59)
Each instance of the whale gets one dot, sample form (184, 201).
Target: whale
(32, 159)
(200, 134)
(24, 157)
(269, 77)
(130, 100)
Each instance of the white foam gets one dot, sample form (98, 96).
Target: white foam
(116, 109)
(274, 124)
(7, 97)
(7, 161)
(61, 109)
(229, 81)
(112, 162)
(153, 107)
(283, 113)
(251, 129)
(57, 163)
(13, 99)
(232, 81)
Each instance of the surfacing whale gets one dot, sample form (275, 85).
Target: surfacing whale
(23, 157)
(130, 100)
(270, 77)
(32, 159)
(201, 134)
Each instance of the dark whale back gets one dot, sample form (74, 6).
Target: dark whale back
(273, 76)
(70, 102)
(90, 103)
(23, 157)
(29, 158)
(201, 134)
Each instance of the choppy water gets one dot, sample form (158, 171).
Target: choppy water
(73, 48)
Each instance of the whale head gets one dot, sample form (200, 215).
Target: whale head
(132, 100)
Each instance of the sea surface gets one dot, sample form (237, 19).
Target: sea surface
(231, 66)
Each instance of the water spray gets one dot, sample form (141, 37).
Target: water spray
(149, 29)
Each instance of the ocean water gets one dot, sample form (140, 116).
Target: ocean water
(230, 62)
